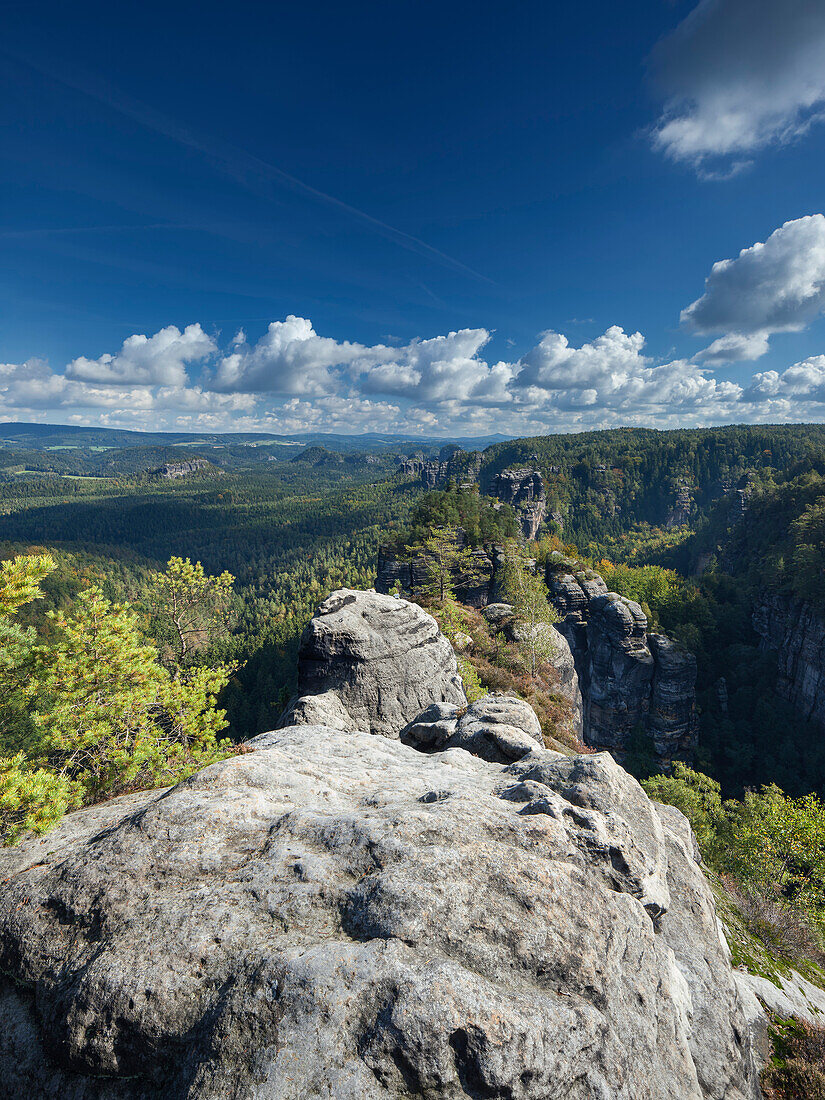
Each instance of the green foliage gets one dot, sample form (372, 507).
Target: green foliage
(778, 844)
(86, 708)
(698, 797)
(472, 685)
(522, 587)
(31, 799)
(108, 715)
(767, 840)
(190, 609)
(465, 508)
(447, 563)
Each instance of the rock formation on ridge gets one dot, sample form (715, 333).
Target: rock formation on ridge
(369, 661)
(630, 680)
(337, 914)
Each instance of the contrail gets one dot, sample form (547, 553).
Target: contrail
(235, 162)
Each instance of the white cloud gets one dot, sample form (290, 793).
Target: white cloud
(739, 75)
(736, 347)
(435, 386)
(778, 286)
(444, 368)
(290, 358)
(148, 360)
(554, 365)
(803, 382)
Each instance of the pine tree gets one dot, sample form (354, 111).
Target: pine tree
(190, 609)
(527, 593)
(109, 716)
(447, 563)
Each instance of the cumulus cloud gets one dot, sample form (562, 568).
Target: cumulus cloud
(736, 347)
(775, 286)
(554, 365)
(444, 368)
(290, 358)
(293, 380)
(737, 76)
(610, 376)
(148, 360)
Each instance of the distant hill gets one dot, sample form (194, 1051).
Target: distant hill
(60, 436)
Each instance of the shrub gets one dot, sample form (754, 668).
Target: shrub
(109, 716)
(472, 684)
(31, 799)
(782, 929)
(797, 1070)
(698, 797)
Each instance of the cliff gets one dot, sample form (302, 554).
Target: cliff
(458, 912)
(623, 679)
(631, 681)
(795, 631)
(171, 470)
(522, 488)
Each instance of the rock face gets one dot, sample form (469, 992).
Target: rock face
(339, 915)
(452, 465)
(796, 632)
(171, 470)
(629, 679)
(373, 662)
(679, 515)
(523, 489)
(497, 727)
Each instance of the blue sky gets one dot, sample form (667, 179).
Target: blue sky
(430, 218)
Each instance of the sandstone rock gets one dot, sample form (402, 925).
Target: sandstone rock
(523, 489)
(629, 680)
(788, 995)
(339, 915)
(497, 727)
(169, 471)
(672, 720)
(368, 661)
(795, 630)
(564, 663)
(620, 671)
(567, 594)
(725, 1031)
(497, 613)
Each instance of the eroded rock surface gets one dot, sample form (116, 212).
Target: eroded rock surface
(630, 680)
(340, 915)
(795, 630)
(373, 662)
(497, 727)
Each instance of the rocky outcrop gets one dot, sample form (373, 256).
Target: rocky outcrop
(373, 662)
(679, 515)
(335, 914)
(408, 575)
(456, 465)
(795, 631)
(169, 471)
(630, 680)
(500, 617)
(523, 490)
(500, 728)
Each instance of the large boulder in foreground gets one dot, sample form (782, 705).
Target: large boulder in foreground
(497, 727)
(339, 915)
(371, 662)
